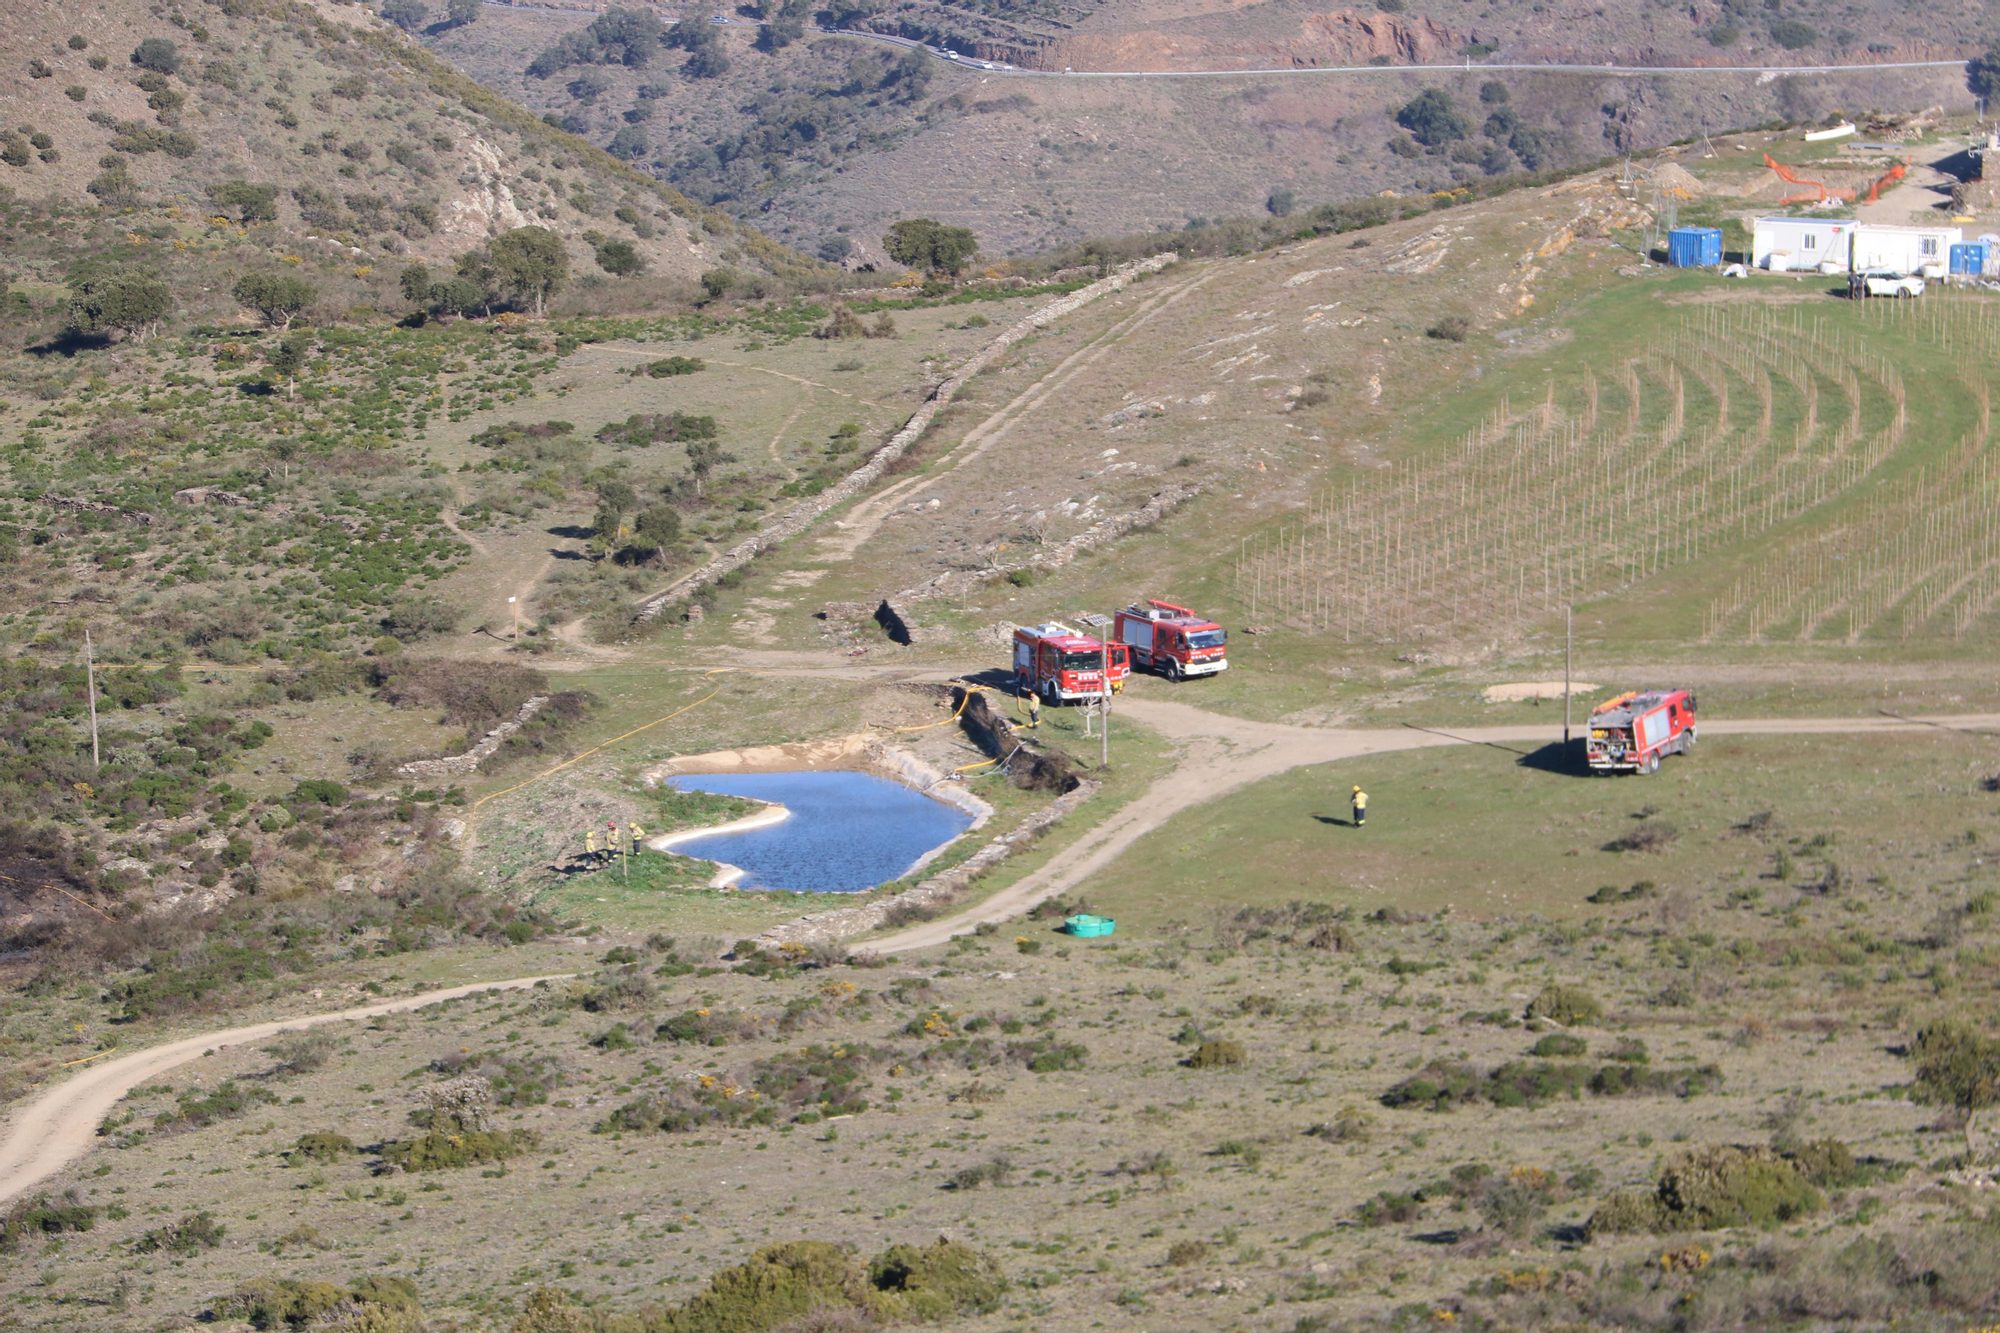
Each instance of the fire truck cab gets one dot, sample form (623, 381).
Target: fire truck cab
(1064, 665)
(1172, 639)
(1632, 733)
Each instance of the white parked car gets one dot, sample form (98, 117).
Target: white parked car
(1880, 282)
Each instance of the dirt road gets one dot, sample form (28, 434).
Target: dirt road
(1220, 754)
(59, 1126)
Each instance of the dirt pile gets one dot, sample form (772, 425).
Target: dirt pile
(1030, 770)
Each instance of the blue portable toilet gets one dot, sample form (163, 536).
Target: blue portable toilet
(1694, 247)
(1968, 260)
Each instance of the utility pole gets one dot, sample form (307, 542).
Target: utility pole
(1104, 694)
(1569, 646)
(514, 604)
(90, 681)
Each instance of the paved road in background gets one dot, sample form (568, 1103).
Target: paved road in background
(1464, 67)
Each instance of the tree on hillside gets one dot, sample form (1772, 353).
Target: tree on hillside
(289, 358)
(409, 15)
(1281, 203)
(251, 203)
(627, 36)
(462, 12)
(703, 43)
(629, 144)
(279, 298)
(1957, 1066)
(1431, 119)
(923, 243)
(532, 263)
(475, 267)
(120, 300)
(158, 55)
(621, 259)
(1982, 75)
(415, 284)
(784, 23)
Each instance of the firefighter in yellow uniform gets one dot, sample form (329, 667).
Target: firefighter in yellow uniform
(1360, 807)
(590, 846)
(1034, 709)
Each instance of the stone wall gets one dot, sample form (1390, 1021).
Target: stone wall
(802, 515)
(460, 764)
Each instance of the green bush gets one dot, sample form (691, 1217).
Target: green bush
(304, 1302)
(438, 1151)
(675, 365)
(939, 1280)
(1559, 1044)
(40, 1217)
(1388, 1208)
(191, 1235)
(1569, 1006)
(1627, 1212)
(323, 1146)
(1721, 1185)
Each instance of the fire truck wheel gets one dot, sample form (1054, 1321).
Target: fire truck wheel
(1692, 736)
(1173, 669)
(1652, 764)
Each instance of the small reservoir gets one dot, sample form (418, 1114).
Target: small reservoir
(847, 831)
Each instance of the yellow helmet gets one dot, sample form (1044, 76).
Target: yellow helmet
(1357, 786)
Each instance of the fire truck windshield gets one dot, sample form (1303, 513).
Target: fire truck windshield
(1089, 661)
(1207, 638)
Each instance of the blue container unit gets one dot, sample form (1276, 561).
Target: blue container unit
(1968, 260)
(1694, 247)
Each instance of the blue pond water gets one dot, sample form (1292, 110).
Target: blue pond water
(848, 831)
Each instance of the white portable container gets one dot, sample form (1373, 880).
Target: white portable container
(1920, 250)
(1800, 244)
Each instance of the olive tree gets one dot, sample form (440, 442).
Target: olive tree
(279, 298)
(1957, 1066)
(121, 299)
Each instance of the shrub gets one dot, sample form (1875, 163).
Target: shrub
(229, 1100)
(1627, 1212)
(1559, 1045)
(157, 54)
(1217, 1054)
(1450, 328)
(675, 365)
(441, 1151)
(1186, 1253)
(1569, 1006)
(40, 1217)
(191, 1235)
(972, 1177)
(1388, 1208)
(939, 1280)
(1720, 1185)
(323, 1146)
(301, 1052)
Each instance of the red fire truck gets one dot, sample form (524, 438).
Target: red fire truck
(1063, 664)
(1171, 639)
(1632, 733)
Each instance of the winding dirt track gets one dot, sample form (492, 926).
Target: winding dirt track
(60, 1125)
(1220, 754)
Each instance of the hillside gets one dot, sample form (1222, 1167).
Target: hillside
(370, 149)
(822, 142)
